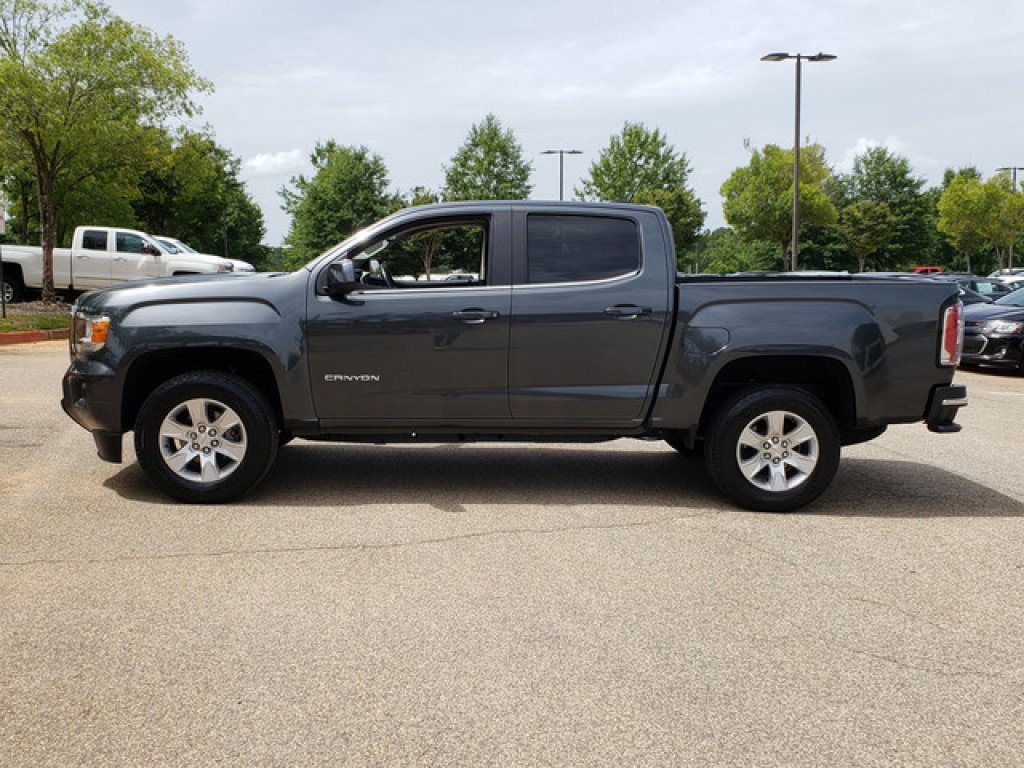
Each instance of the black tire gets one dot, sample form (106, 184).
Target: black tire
(197, 462)
(680, 446)
(13, 288)
(783, 473)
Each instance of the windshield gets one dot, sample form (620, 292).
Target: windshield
(1015, 299)
(167, 245)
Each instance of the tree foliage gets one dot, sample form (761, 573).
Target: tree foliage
(347, 191)
(192, 192)
(963, 214)
(866, 227)
(1002, 215)
(640, 166)
(883, 177)
(723, 251)
(758, 198)
(80, 89)
(488, 166)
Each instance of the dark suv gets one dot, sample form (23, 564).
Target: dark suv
(994, 333)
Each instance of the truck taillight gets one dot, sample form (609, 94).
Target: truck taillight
(952, 335)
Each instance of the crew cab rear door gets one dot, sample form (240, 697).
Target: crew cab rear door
(591, 310)
(90, 258)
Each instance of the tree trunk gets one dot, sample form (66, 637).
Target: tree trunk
(24, 211)
(48, 227)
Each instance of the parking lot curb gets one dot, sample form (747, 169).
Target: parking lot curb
(27, 337)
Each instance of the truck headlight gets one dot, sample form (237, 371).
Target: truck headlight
(88, 332)
(1003, 326)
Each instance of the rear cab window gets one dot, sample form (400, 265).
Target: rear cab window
(574, 249)
(94, 240)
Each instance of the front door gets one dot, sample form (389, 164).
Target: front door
(130, 260)
(424, 340)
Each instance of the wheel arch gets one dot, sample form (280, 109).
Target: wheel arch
(826, 378)
(152, 369)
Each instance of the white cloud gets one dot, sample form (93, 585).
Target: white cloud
(285, 163)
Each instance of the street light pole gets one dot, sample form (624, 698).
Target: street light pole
(799, 57)
(1013, 170)
(561, 166)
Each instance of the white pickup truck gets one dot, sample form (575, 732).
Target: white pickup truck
(100, 256)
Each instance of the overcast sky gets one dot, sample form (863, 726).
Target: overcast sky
(938, 81)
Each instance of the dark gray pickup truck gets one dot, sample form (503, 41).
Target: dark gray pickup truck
(559, 322)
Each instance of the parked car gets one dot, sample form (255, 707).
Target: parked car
(994, 333)
(1010, 281)
(1018, 271)
(98, 257)
(986, 286)
(967, 296)
(926, 270)
(174, 245)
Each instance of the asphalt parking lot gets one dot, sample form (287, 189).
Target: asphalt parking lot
(501, 605)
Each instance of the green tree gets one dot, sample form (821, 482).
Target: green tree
(866, 227)
(723, 251)
(640, 166)
(19, 187)
(962, 214)
(759, 197)
(882, 176)
(488, 166)
(79, 87)
(193, 192)
(1003, 214)
(348, 191)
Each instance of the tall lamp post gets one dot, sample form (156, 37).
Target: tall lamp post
(561, 166)
(795, 247)
(1013, 170)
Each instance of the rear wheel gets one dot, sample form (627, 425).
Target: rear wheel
(773, 449)
(206, 437)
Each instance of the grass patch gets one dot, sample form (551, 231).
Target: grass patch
(32, 322)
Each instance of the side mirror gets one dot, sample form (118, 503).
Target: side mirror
(150, 250)
(341, 278)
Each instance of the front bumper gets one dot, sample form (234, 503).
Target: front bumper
(993, 351)
(92, 399)
(945, 402)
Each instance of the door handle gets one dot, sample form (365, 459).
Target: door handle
(474, 316)
(120, 258)
(627, 311)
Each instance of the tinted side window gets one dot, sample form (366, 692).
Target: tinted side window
(129, 243)
(94, 240)
(572, 249)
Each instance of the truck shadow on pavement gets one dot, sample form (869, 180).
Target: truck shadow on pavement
(451, 477)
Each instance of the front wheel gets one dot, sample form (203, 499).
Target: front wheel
(773, 449)
(206, 437)
(13, 289)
